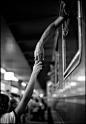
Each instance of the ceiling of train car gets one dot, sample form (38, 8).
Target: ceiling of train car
(27, 21)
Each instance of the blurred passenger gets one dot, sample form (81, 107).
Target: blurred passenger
(14, 116)
(4, 103)
(13, 104)
(43, 106)
(34, 108)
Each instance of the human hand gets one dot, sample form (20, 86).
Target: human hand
(36, 68)
(39, 52)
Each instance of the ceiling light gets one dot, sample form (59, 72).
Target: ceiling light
(8, 76)
(3, 70)
(23, 84)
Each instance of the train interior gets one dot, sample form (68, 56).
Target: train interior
(59, 93)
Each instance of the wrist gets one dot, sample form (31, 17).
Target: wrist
(33, 76)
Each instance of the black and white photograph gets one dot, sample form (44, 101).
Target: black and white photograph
(42, 62)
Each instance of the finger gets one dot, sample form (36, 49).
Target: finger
(40, 51)
(38, 71)
(38, 66)
(36, 58)
(39, 63)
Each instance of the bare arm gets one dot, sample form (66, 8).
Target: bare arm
(48, 33)
(29, 89)
(66, 12)
(51, 29)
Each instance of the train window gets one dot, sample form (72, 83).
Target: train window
(72, 44)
